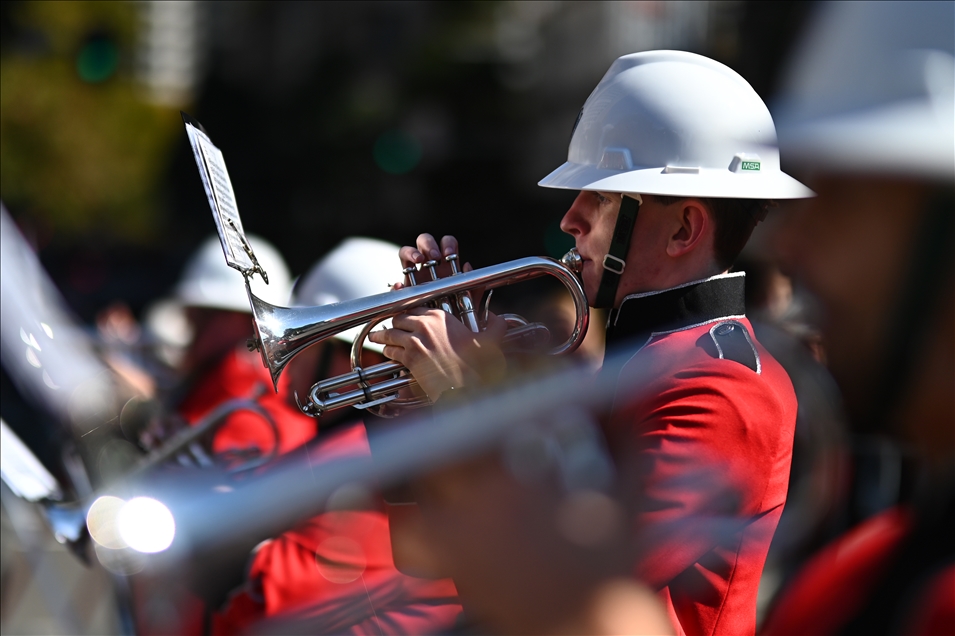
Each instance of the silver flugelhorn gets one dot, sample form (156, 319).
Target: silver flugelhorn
(283, 332)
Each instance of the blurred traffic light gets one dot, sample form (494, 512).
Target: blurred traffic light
(396, 152)
(98, 58)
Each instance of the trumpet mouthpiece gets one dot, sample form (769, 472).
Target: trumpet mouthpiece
(573, 261)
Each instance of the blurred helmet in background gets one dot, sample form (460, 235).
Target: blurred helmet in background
(358, 267)
(207, 281)
(674, 123)
(872, 89)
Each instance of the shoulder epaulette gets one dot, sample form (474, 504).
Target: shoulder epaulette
(733, 342)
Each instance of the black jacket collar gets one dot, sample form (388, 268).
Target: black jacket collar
(676, 308)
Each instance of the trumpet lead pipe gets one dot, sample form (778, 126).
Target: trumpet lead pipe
(370, 373)
(357, 396)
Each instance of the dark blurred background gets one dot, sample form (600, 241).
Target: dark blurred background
(336, 118)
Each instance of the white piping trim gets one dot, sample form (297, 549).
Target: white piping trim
(699, 324)
(692, 282)
(654, 334)
(749, 339)
(719, 349)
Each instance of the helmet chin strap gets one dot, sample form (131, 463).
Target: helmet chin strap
(615, 260)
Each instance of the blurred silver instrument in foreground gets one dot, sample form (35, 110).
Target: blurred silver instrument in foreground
(48, 356)
(544, 427)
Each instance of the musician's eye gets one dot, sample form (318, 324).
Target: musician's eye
(601, 199)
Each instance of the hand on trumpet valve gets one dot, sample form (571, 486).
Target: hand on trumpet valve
(426, 250)
(441, 352)
(442, 348)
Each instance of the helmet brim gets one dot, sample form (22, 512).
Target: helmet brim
(909, 139)
(703, 183)
(211, 294)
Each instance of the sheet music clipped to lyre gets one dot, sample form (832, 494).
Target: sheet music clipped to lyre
(215, 179)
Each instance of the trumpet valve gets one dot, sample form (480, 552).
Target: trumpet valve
(410, 273)
(442, 302)
(465, 304)
(466, 309)
(430, 265)
(452, 260)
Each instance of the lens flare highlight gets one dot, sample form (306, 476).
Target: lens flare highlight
(146, 525)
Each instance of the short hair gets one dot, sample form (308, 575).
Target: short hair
(735, 220)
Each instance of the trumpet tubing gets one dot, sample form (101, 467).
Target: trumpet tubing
(283, 332)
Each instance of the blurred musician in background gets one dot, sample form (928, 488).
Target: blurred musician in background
(334, 573)
(218, 365)
(675, 162)
(869, 111)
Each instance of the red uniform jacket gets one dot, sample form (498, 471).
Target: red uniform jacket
(239, 375)
(837, 586)
(333, 572)
(702, 431)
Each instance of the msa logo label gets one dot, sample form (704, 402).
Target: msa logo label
(750, 165)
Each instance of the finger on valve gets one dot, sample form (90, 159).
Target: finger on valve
(433, 251)
(409, 255)
(449, 245)
(428, 246)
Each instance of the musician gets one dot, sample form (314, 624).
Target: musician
(674, 159)
(218, 367)
(334, 573)
(218, 364)
(869, 109)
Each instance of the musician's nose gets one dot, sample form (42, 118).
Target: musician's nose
(578, 218)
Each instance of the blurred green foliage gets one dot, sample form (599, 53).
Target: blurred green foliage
(81, 148)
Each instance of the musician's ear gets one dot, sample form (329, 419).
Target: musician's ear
(692, 222)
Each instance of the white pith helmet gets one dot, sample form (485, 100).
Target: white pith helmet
(872, 88)
(208, 281)
(678, 124)
(358, 267)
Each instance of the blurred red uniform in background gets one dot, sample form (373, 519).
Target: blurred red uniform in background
(334, 571)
